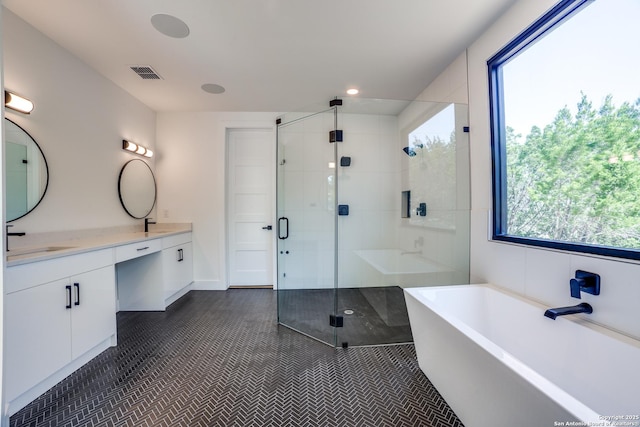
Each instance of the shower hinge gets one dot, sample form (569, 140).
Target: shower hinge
(335, 136)
(336, 321)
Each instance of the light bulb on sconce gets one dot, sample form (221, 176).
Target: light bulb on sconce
(129, 146)
(17, 103)
(136, 148)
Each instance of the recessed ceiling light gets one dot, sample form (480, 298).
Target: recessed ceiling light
(352, 91)
(213, 88)
(170, 26)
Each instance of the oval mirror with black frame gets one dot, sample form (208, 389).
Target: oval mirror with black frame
(26, 172)
(137, 188)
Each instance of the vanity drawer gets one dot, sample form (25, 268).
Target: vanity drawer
(135, 250)
(24, 276)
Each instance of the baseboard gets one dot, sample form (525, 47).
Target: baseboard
(173, 298)
(209, 285)
(251, 287)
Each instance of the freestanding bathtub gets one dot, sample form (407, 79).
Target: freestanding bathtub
(498, 361)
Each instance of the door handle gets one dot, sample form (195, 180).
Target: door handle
(282, 220)
(268, 227)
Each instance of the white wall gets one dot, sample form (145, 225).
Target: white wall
(540, 274)
(190, 166)
(79, 121)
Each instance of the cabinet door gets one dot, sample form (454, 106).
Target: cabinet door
(186, 266)
(93, 316)
(37, 335)
(178, 270)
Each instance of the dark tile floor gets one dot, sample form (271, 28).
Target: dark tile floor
(218, 358)
(376, 315)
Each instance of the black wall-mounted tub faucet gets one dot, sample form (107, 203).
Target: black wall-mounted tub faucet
(552, 313)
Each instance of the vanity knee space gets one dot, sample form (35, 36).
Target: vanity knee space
(151, 276)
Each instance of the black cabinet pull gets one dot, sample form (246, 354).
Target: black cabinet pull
(77, 286)
(143, 249)
(180, 255)
(68, 287)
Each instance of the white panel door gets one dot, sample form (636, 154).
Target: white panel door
(251, 157)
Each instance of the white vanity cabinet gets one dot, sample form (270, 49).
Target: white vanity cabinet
(177, 266)
(37, 338)
(93, 312)
(60, 309)
(56, 311)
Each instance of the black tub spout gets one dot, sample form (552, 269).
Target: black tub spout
(552, 313)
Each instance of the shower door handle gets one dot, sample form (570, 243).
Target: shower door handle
(282, 228)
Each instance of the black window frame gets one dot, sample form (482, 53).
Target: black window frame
(561, 12)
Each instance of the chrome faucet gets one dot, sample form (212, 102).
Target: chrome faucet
(148, 221)
(552, 313)
(7, 234)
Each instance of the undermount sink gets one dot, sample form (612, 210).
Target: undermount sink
(36, 251)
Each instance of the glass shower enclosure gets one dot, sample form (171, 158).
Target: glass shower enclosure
(372, 198)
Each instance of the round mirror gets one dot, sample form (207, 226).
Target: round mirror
(137, 188)
(26, 172)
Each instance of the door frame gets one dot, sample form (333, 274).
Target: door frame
(227, 217)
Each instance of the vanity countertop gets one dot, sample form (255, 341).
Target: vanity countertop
(51, 248)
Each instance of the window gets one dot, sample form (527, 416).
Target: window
(565, 121)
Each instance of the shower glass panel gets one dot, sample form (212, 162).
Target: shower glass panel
(407, 188)
(306, 232)
(384, 207)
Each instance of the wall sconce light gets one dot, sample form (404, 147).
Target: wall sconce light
(136, 148)
(17, 103)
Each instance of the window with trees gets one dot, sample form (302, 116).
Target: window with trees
(565, 121)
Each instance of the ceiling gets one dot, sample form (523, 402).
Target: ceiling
(269, 55)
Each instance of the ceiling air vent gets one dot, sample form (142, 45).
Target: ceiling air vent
(146, 72)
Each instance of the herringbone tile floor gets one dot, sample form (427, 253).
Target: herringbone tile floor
(218, 358)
